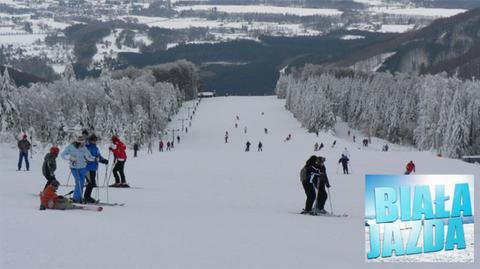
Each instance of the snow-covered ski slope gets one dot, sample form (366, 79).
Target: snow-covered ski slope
(207, 203)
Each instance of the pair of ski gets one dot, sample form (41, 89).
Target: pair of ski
(98, 207)
(100, 204)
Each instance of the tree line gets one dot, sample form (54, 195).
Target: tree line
(432, 112)
(136, 104)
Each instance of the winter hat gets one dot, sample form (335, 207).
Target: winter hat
(54, 150)
(55, 183)
(115, 139)
(93, 137)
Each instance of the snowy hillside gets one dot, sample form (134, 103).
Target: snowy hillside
(209, 203)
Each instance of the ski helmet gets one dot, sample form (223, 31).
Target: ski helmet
(54, 150)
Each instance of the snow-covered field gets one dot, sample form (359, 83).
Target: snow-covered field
(263, 9)
(208, 203)
(422, 12)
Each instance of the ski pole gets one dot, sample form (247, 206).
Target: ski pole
(106, 169)
(110, 176)
(97, 192)
(68, 180)
(330, 200)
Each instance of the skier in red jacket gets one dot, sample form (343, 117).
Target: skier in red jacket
(118, 148)
(410, 168)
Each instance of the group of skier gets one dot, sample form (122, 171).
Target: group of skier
(314, 181)
(84, 157)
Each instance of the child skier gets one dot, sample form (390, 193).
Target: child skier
(50, 165)
(49, 198)
(321, 183)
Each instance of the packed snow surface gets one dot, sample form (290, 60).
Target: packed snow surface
(209, 203)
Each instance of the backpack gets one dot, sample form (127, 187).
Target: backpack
(303, 174)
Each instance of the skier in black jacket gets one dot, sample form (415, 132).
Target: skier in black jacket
(344, 161)
(50, 165)
(308, 173)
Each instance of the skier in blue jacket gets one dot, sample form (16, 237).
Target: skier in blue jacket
(92, 168)
(78, 155)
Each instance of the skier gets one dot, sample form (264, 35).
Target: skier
(236, 125)
(316, 133)
(365, 142)
(346, 153)
(168, 145)
(321, 183)
(178, 139)
(118, 148)
(247, 149)
(354, 139)
(136, 147)
(289, 136)
(23, 146)
(49, 198)
(92, 168)
(226, 137)
(315, 147)
(410, 168)
(260, 146)
(238, 118)
(321, 146)
(160, 146)
(50, 165)
(78, 155)
(334, 143)
(150, 147)
(245, 129)
(186, 130)
(385, 148)
(344, 161)
(307, 174)
(266, 131)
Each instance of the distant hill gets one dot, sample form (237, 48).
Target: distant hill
(449, 45)
(21, 78)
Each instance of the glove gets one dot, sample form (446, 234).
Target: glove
(328, 185)
(110, 148)
(104, 161)
(60, 197)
